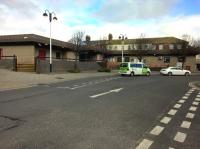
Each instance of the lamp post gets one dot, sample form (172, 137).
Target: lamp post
(52, 16)
(123, 38)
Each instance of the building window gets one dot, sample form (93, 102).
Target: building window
(119, 59)
(160, 47)
(166, 59)
(115, 47)
(129, 47)
(179, 46)
(58, 55)
(110, 47)
(126, 59)
(171, 46)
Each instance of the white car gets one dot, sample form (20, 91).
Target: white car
(174, 71)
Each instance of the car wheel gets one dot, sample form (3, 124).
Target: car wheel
(148, 74)
(169, 73)
(187, 74)
(132, 74)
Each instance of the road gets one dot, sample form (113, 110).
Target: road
(156, 112)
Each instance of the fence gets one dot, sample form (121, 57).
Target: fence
(8, 62)
(64, 65)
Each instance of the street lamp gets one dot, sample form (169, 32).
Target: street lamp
(123, 38)
(52, 16)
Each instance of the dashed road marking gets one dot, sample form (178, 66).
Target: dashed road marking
(181, 101)
(190, 115)
(180, 137)
(198, 95)
(186, 124)
(172, 112)
(187, 94)
(192, 108)
(166, 120)
(157, 130)
(197, 99)
(185, 97)
(195, 103)
(145, 144)
(171, 148)
(177, 106)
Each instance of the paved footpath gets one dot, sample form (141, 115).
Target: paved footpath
(14, 80)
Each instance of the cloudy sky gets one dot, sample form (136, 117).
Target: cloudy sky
(98, 18)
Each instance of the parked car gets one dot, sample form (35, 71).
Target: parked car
(174, 71)
(130, 68)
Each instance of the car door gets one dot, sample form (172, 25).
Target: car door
(139, 69)
(174, 71)
(180, 71)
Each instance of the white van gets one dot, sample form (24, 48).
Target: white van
(132, 69)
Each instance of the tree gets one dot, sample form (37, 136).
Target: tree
(77, 41)
(191, 41)
(87, 39)
(142, 46)
(110, 37)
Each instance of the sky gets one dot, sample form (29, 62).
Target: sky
(98, 18)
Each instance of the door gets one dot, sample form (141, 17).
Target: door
(138, 69)
(42, 54)
(1, 53)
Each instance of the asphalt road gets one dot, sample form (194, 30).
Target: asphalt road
(102, 113)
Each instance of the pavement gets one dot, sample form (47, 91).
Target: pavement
(15, 80)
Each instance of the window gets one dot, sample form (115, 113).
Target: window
(179, 46)
(115, 47)
(160, 47)
(119, 59)
(136, 65)
(129, 47)
(110, 47)
(124, 65)
(171, 46)
(126, 59)
(57, 55)
(166, 59)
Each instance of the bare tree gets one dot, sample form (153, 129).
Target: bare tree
(110, 37)
(141, 47)
(87, 39)
(77, 41)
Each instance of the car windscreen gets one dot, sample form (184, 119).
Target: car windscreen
(124, 65)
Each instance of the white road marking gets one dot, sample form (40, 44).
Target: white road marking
(145, 144)
(197, 99)
(111, 91)
(198, 95)
(192, 108)
(195, 103)
(172, 112)
(180, 137)
(186, 124)
(177, 106)
(157, 130)
(165, 120)
(171, 148)
(181, 101)
(185, 97)
(190, 115)
(63, 87)
(187, 94)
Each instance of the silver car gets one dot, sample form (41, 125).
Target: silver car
(174, 71)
